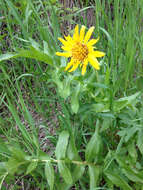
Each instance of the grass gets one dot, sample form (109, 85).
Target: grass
(60, 130)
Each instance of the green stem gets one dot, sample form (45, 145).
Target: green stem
(66, 161)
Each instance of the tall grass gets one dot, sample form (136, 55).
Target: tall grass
(63, 131)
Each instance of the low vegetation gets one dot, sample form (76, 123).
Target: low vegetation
(63, 130)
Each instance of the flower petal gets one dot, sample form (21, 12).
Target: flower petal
(84, 66)
(98, 53)
(69, 39)
(92, 42)
(69, 65)
(88, 34)
(66, 48)
(63, 41)
(75, 66)
(93, 61)
(76, 33)
(81, 35)
(64, 54)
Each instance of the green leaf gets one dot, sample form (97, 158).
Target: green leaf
(140, 140)
(130, 132)
(97, 85)
(62, 145)
(17, 16)
(100, 107)
(108, 36)
(35, 54)
(76, 175)
(74, 99)
(12, 165)
(24, 75)
(94, 172)
(32, 166)
(72, 151)
(65, 172)
(130, 172)
(18, 154)
(3, 173)
(66, 87)
(2, 168)
(22, 128)
(118, 180)
(34, 44)
(4, 148)
(49, 172)
(43, 156)
(78, 172)
(109, 183)
(31, 53)
(107, 122)
(126, 101)
(119, 105)
(7, 56)
(132, 150)
(94, 146)
(59, 85)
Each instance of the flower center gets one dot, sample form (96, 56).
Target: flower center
(79, 51)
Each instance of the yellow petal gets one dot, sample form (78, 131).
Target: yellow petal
(98, 53)
(93, 61)
(66, 48)
(69, 65)
(82, 32)
(92, 42)
(75, 66)
(84, 66)
(88, 34)
(69, 39)
(76, 33)
(63, 41)
(64, 54)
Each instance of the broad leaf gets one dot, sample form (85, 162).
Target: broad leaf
(18, 154)
(65, 172)
(100, 107)
(126, 101)
(43, 156)
(78, 172)
(118, 180)
(35, 54)
(132, 150)
(94, 172)
(76, 175)
(130, 172)
(94, 146)
(62, 145)
(72, 151)
(3, 173)
(30, 53)
(66, 87)
(32, 166)
(74, 99)
(7, 56)
(12, 165)
(49, 172)
(140, 140)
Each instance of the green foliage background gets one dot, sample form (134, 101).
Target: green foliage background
(60, 130)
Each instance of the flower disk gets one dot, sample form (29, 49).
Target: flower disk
(80, 49)
(79, 52)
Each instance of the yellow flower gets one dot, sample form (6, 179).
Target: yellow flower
(80, 50)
